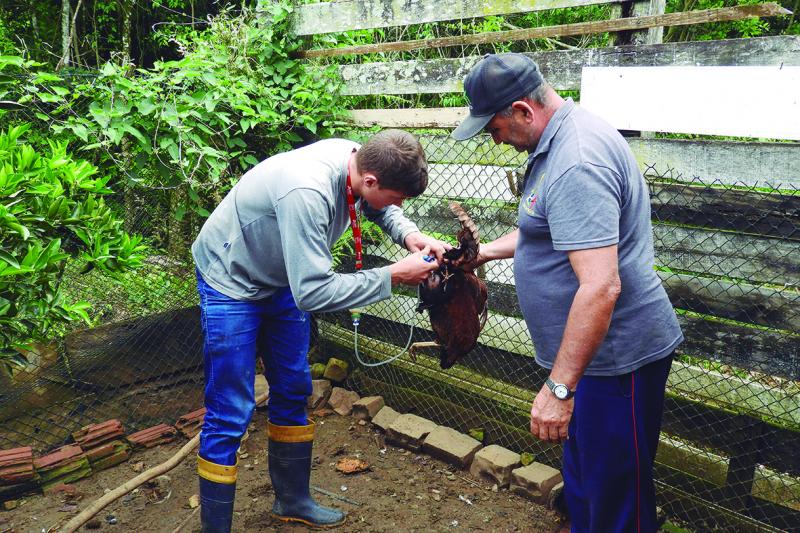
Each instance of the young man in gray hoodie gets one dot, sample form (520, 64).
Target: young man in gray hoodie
(263, 264)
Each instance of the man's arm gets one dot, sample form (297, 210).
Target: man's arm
(302, 221)
(587, 324)
(500, 248)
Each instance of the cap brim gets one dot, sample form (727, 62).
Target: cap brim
(470, 127)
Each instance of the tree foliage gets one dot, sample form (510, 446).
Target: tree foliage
(234, 97)
(52, 208)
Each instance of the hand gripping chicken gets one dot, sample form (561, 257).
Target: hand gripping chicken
(456, 299)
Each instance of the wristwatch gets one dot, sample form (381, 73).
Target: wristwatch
(559, 390)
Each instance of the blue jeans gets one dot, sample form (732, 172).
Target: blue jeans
(235, 332)
(608, 458)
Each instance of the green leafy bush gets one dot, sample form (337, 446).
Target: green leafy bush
(51, 208)
(194, 124)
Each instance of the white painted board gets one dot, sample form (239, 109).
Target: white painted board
(760, 102)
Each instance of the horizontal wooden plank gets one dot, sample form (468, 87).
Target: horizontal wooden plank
(773, 214)
(564, 30)
(562, 68)
(752, 258)
(734, 393)
(748, 211)
(731, 392)
(745, 164)
(721, 253)
(471, 181)
(735, 301)
(407, 118)
(766, 351)
(339, 16)
(696, 99)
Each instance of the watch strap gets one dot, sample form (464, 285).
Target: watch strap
(552, 386)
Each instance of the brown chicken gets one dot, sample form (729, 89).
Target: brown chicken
(456, 299)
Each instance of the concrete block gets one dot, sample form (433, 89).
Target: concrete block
(336, 370)
(366, 408)
(320, 393)
(554, 500)
(535, 481)
(409, 431)
(342, 400)
(385, 417)
(451, 446)
(494, 464)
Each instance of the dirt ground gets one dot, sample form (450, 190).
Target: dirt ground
(403, 491)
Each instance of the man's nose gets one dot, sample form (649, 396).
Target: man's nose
(496, 138)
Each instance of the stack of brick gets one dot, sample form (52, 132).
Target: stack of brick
(63, 465)
(147, 438)
(190, 424)
(17, 475)
(103, 444)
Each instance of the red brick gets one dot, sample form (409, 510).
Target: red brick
(190, 424)
(147, 438)
(96, 434)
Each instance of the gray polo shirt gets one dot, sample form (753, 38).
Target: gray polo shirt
(583, 189)
(276, 226)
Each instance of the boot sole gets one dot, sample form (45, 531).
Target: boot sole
(307, 522)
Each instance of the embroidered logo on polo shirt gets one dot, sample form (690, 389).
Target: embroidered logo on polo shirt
(530, 201)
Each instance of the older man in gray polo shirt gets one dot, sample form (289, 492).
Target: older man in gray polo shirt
(583, 263)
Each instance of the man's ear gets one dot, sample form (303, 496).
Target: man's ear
(525, 108)
(370, 180)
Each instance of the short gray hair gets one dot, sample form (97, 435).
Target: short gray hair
(538, 95)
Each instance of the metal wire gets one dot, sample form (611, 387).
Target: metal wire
(726, 252)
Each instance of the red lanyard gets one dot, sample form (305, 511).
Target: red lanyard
(355, 222)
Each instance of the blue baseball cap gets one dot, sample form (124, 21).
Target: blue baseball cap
(494, 83)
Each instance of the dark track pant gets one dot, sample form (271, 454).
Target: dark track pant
(608, 458)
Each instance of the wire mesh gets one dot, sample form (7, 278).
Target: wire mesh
(727, 256)
(726, 252)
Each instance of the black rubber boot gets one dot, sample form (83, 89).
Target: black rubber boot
(290, 470)
(217, 492)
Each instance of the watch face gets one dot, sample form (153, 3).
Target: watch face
(561, 391)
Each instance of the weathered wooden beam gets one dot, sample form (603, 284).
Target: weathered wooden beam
(745, 164)
(767, 352)
(407, 118)
(749, 211)
(693, 203)
(327, 17)
(564, 30)
(728, 254)
(727, 391)
(734, 301)
(562, 69)
(750, 347)
(752, 258)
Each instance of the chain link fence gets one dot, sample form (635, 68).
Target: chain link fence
(726, 253)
